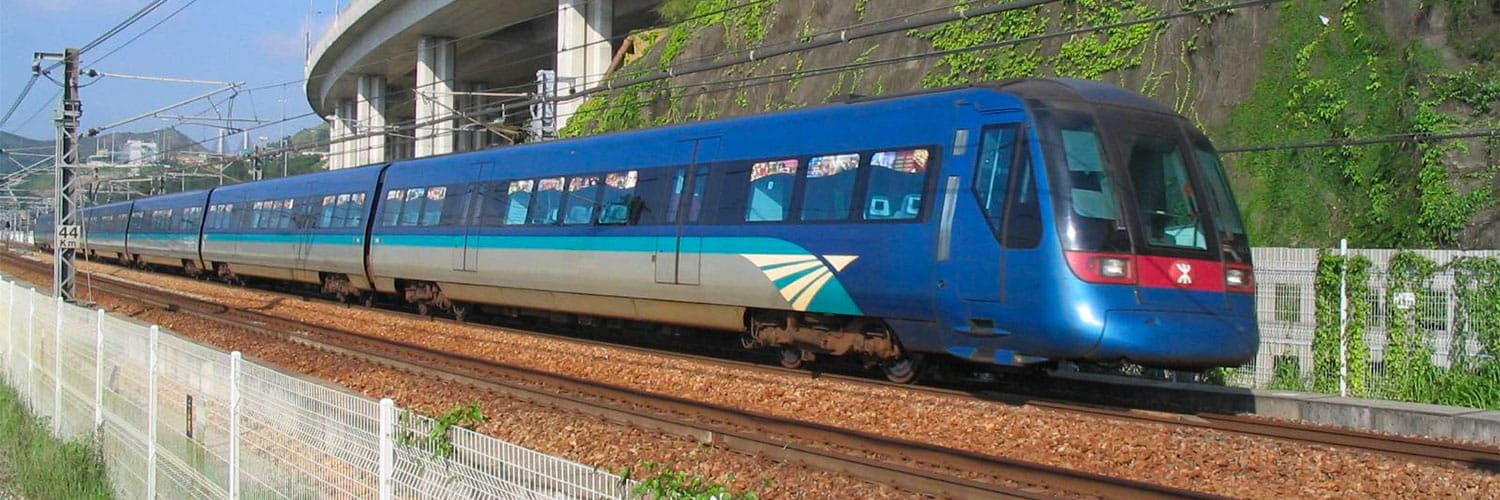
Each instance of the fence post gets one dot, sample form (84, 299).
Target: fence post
(151, 416)
(235, 358)
(98, 368)
(1343, 317)
(57, 415)
(10, 334)
(30, 348)
(387, 447)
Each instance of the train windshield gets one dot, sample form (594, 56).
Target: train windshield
(1137, 173)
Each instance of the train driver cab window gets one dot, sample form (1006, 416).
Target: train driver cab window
(547, 202)
(621, 205)
(897, 179)
(583, 193)
(771, 184)
(1164, 194)
(520, 201)
(830, 187)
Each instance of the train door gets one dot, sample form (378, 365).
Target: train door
(678, 256)
(980, 252)
(466, 251)
(303, 217)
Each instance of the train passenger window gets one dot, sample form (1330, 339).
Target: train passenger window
(356, 215)
(411, 211)
(896, 182)
(997, 152)
(494, 197)
(770, 194)
(621, 205)
(287, 207)
(432, 210)
(453, 206)
(392, 207)
(657, 190)
(330, 204)
(583, 195)
(519, 194)
(679, 182)
(830, 187)
(547, 201)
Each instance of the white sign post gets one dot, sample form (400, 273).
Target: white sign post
(68, 236)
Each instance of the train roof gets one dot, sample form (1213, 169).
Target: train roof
(173, 200)
(1070, 89)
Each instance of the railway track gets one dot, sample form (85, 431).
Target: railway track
(913, 466)
(1472, 456)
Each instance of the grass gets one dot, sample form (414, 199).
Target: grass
(38, 465)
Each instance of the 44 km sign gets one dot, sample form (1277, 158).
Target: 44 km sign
(68, 236)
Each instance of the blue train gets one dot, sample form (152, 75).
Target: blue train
(1005, 225)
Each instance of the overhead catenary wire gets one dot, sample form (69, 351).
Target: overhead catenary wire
(19, 98)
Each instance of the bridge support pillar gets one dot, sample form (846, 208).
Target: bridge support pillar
(371, 113)
(340, 128)
(584, 49)
(434, 97)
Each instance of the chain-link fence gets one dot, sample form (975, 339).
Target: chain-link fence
(177, 419)
(1371, 307)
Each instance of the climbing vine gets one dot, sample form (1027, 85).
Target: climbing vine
(664, 482)
(1410, 372)
(432, 436)
(1354, 271)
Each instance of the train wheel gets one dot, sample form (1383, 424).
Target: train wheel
(370, 300)
(903, 370)
(791, 357)
(460, 312)
(423, 309)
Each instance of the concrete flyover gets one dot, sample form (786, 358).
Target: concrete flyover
(411, 78)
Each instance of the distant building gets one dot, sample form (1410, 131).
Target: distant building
(140, 152)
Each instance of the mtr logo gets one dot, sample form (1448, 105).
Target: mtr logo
(1182, 273)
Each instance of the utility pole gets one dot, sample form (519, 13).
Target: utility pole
(68, 232)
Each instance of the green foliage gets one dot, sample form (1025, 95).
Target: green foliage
(39, 465)
(1410, 372)
(434, 438)
(1477, 308)
(1286, 374)
(663, 482)
(1085, 55)
(1344, 80)
(1327, 338)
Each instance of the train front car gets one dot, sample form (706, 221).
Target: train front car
(1140, 254)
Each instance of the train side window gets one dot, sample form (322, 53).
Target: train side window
(432, 209)
(897, 179)
(329, 208)
(830, 187)
(519, 194)
(357, 209)
(411, 211)
(1023, 223)
(621, 205)
(453, 205)
(658, 190)
(494, 198)
(391, 208)
(581, 200)
(771, 187)
(547, 201)
(997, 153)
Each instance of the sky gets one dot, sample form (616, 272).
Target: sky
(258, 42)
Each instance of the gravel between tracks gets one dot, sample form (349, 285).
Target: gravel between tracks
(1197, 459)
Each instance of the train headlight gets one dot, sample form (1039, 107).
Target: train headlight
(1111, 267)
(1239, 279)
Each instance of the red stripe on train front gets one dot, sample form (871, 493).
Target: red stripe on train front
(1184, 274)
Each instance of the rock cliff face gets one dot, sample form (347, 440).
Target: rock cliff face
(1300, 73)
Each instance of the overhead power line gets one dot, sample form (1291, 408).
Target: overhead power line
(123, 25)
(20, 97)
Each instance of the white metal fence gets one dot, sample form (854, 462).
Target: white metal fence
(1286, 304)
(177, 419)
